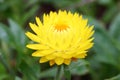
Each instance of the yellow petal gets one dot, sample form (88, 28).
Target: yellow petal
(45, 19)
(35, 29)
(67, 61)
(78, 52)
(83, 23)
(42, 53)
(38, 22)
(52, 62)
(33, 37)
(86, 47)
(43, 60)
(59, 60)
(86, 44)
(66, 56)
(89, 32)
(62, 55)
(37, 46)
(90, 29)
(50, 56)
(81, 55)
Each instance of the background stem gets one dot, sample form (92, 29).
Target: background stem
(67, 72)
(58, 73)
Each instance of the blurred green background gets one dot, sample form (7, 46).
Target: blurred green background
(103, 60)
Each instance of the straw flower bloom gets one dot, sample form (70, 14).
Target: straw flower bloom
(60, 37)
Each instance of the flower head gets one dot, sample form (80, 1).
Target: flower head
(60, 37)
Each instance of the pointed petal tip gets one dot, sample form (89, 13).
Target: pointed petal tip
(67, 61)
(27, 33)
(43, 60)
(59, 61)
(36, 17)
(33, 54)
(27, 46)
(52, 62)
(30, 24)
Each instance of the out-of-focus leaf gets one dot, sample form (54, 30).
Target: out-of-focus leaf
(79, 67)
(109, 14)
(115, 31)
(28, 71)
(18, 34)
(6, 64)
(14, 34)
(104, 46)
(115, 28)
(114, 78)
(4, 33)
(105, 57)
(3, 6)
(62, 3)
(29, 13)
(2, 68)
(103, 2)
(48, 73)
(3, 74)
(31, 2)
(17, 78)
(19, 39)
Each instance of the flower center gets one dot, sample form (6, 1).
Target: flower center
(61, 27)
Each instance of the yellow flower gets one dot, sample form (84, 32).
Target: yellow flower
(60, 37)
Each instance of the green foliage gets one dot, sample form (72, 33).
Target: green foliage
(107, 53)
(115, 78)
(103, 59)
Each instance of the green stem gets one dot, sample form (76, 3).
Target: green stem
(58, 73)
(67, 72)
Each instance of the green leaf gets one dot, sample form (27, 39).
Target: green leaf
(115, 31)
(114, 78)
(62, 3)
(3, 74)
(4, 31)
(104, 46)
(29, 71)
(115, 28)
(79, 67)
(48, 73)
(17, 78)
(104, 2)
(29, 13)
(14, 35)
(19, 39)
(109, 14)
(18, 34)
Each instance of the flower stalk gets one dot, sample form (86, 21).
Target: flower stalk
(58, 73)
(67, 73)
